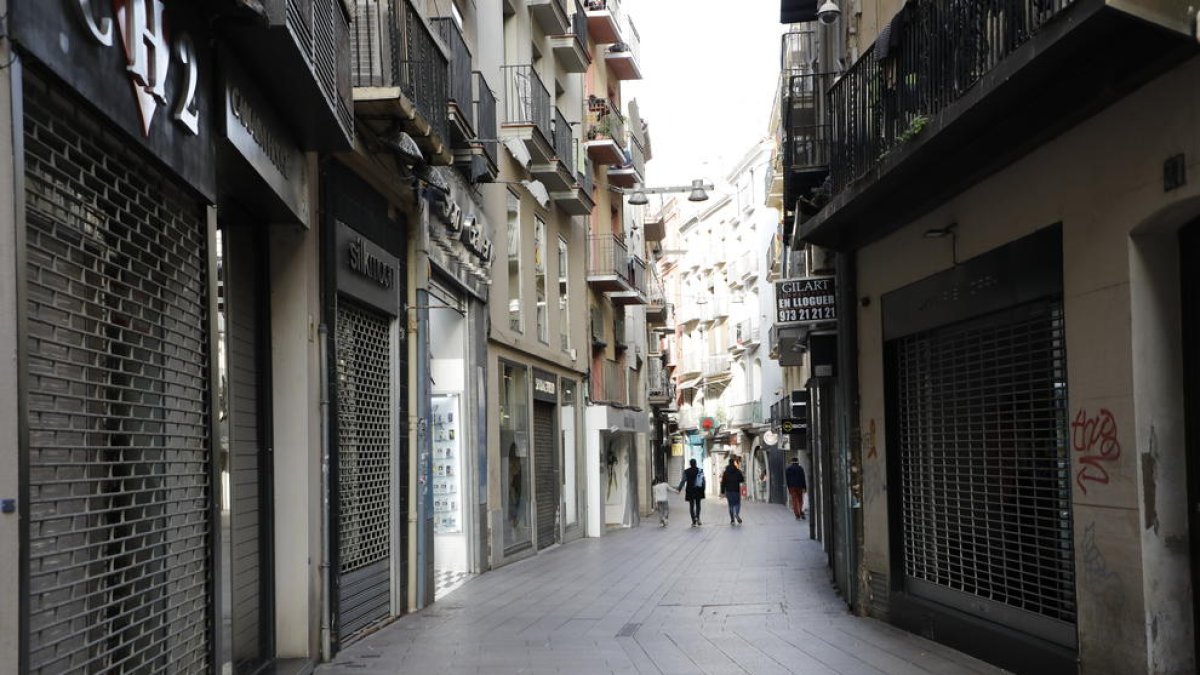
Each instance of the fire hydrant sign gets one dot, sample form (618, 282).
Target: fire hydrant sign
(805, 300)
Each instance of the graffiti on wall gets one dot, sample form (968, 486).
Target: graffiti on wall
(1095, 440)
(1101, 581)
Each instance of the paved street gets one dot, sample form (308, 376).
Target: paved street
(752, 599)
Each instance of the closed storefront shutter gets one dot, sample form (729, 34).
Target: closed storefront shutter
(981, 426)
(119, 452)
(546, 471)
(364, 468)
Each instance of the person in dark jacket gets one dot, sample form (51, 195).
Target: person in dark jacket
(731, 485)
(796, 486)
(693, 481)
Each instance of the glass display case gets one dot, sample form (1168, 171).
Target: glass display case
(447, 467)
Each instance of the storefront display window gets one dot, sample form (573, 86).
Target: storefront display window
(447, 469)
(570, 474)
(514, 454)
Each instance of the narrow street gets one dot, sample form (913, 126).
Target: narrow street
(716, 599)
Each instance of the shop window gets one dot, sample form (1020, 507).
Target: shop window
(514, 454)
(515, 320)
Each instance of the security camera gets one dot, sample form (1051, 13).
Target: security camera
(829, 12)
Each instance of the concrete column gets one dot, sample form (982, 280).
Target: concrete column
(295, 372)
(1162, 452)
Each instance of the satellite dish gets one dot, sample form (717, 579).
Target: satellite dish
(770, 438)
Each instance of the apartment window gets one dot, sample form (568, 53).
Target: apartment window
(514, 263)
(564, 310)
(539, 280)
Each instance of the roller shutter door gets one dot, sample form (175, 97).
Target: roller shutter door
(119, 466)
(547, 480)
(980, 409)
(364, 466)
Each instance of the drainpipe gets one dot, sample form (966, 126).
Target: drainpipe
(848, 432)
(326, 515)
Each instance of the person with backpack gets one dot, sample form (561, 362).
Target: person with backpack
(731, 484)
(693, 486)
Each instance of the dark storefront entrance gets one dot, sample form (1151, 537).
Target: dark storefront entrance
(545, 449)
(981, 515)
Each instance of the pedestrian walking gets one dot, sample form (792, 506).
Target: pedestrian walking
(661, 504)
(692, 486)
(731, 484)
(796, 486)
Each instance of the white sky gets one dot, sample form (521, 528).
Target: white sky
(709, 69)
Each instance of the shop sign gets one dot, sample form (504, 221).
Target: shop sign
(366, 271)
(793, 425)
(143, 63)
(677, 449)
(254, 130)
(805, 300)
(464, 226)
(545, 386)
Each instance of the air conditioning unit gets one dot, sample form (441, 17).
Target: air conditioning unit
(820, 260)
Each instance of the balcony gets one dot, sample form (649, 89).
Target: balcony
(660, 390)
(301, 55)
(551, 15)
(624, 57)
(528, 112)
(461, 112)
(971, 88)
(612, 270)
(633, 170)
(716, 368)
(401, 75)
(691, 365)
(604, 20)
(559, 172)
(748, 334)
(577, 199)
(605, 132)
(744, 415)
(656, 300)
(656, 227)
(609, 383)
(748, 266)
(635, 291)
(571, 50)
(482, 155)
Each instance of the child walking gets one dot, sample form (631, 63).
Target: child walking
(659, 489)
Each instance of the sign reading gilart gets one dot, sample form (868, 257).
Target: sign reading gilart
(805, 300)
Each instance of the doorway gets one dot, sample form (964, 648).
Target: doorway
(245, 441)
(452, 471)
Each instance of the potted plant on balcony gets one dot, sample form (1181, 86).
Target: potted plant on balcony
(605, 126)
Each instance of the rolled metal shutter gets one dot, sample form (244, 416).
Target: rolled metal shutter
(546, 479)
(119, 460)
(981, 425)
(364, 481)
(249, 463)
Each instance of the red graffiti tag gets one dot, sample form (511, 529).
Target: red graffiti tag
(1096, 438)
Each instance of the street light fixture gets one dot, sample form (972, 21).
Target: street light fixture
(696, 192)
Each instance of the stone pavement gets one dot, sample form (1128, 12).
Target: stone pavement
(752, 599)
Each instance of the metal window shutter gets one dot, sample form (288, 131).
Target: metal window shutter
(119, 462)
(983, 459)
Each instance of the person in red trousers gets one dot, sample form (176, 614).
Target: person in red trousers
(796, 486)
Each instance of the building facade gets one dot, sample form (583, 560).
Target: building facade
(1013, 368)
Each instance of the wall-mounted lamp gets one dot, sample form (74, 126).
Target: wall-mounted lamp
(951, 231)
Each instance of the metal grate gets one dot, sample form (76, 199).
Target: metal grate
(364, 437)
(984, 465)
(120, 533)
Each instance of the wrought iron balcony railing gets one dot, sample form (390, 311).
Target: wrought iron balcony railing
(485, 116)
(526, 99)
(605, 120)
(564, 142)
(935, 55)
(587, 177)
(460, 92)
(607, 256)
(392, 47)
